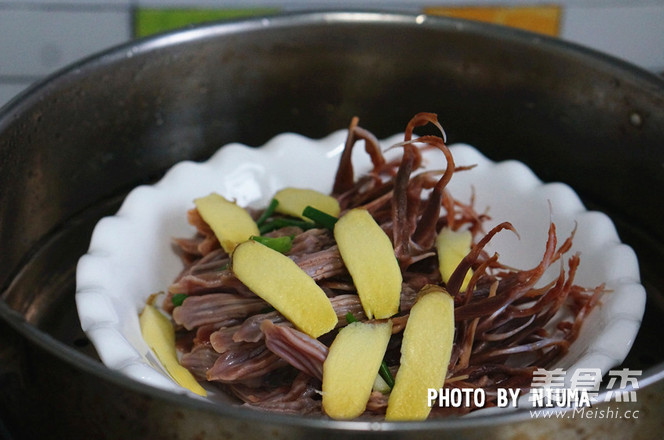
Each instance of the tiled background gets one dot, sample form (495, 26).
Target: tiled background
(38, 37)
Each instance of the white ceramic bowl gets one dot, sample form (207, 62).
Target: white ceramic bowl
(130, 254)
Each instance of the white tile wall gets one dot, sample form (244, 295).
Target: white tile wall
(68, 3)
(37, 38)
(9, 89)
(39, 41)
(635, 32)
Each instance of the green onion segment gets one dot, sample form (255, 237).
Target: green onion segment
(281, 244)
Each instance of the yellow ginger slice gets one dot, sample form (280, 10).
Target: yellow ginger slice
(292, 201)
(452, 247)
(351, 366)
(230, 223)
(279, 281)
(425, 354)
(159, 334)
(369, 256)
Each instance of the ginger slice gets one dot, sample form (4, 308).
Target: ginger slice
(369, 256)
(292, 201)
(452, 247)
(279, 281)
(230, 223)
(351, 366)
(159, 334)
(425, 354)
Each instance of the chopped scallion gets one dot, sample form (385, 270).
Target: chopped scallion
(178, 299)
(279, 223)
(321, 218)
(268, 212)
(386, 374)
(281, 244)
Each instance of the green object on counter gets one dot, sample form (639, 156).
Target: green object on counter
(148, 21)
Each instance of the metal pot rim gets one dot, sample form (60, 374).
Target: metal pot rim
(294, 19)
(154, 43)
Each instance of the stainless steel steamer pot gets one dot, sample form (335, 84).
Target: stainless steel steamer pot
(73, 145)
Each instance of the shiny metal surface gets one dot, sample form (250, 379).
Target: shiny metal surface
(73, 145)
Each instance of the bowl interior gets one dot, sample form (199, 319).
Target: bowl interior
(131, 257)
